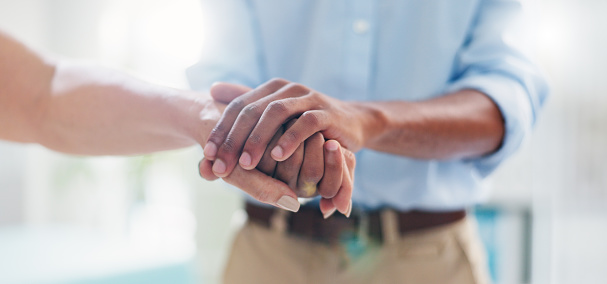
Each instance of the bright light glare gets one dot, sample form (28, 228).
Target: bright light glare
(156, 39)
(171, 28)
(555, 34)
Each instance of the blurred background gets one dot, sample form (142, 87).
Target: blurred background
(151, 219)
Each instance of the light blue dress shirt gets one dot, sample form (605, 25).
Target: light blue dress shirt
(383, 50)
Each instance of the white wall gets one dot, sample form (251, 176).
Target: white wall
(563, 168)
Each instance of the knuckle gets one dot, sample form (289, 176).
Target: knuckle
(278, 108)
(218, 130)
(350, 158)
(236, 105)
(292, 136)
(254, 140)
(252, 111)
(316, 95)
(229, 146)
(297, 88)
(217, 134)
(277, 81)
(311, 119)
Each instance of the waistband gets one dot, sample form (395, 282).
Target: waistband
(378, 225)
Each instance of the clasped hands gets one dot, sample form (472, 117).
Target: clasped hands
(301, 138)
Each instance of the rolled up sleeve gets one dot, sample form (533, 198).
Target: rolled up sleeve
(494, 60)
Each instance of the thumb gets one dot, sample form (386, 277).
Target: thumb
(226, 92)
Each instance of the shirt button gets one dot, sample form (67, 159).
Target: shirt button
(360, 27)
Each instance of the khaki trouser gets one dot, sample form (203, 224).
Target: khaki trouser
(445, 254)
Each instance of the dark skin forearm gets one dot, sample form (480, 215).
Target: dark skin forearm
(464, 124)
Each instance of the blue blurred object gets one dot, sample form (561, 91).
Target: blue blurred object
(60, 255)
(487, 219)
(506, 234)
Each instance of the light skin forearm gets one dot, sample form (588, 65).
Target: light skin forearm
(463, 124)
(98, 112)
(94, 111)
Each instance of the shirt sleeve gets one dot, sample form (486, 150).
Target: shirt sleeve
(230, 50)
(494, 61)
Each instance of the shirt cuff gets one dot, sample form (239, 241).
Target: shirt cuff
(513, 102)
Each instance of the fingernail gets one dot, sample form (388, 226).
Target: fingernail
(277, 152)
(210, 150)
(245, 160)
(219, 167)
(199, 173)
(349, 209)
(332, 145)
(288, 203)
(328, 214)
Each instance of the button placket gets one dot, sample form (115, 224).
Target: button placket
(358, 49)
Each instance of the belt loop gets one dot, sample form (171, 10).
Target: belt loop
(389, 226)
(278, 221)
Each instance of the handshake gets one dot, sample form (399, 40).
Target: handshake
(276, 143)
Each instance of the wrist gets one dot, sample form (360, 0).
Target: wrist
(203, 114)
(372, 121)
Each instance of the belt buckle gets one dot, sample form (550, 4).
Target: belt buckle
(355, 244)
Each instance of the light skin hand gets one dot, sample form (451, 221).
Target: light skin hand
(330, 183)
(307, 173)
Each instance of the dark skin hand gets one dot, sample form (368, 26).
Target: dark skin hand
(317, 167)
(463, 124)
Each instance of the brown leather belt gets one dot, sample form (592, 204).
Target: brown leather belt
(309, 222)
